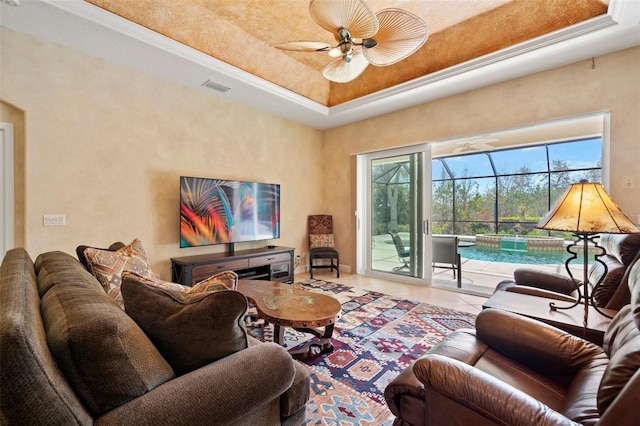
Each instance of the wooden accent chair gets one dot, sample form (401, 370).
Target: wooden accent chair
(321, 244)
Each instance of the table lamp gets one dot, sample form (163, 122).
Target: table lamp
(586, 210)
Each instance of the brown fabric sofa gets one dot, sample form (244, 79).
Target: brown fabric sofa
(70, 355)
(621, 250)
(513, 370)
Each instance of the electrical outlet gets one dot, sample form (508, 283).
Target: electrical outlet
(628, 182)
(54, 220)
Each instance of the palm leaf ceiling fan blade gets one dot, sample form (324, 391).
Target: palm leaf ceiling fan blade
(341, 71)
(354, 15)
(304, 46)
(400, 34)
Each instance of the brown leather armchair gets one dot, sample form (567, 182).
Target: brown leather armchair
(621, 250)
(512, 370)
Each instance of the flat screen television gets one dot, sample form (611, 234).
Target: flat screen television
(215, 211)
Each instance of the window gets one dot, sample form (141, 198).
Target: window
(508, 191)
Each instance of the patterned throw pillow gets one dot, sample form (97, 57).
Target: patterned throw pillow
(228, 279)
(320, 240)
(107, 266)
(154, 281)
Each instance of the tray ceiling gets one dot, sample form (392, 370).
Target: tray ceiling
(472, 44)
(242, 33)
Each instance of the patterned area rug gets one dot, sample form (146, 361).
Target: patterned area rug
(376, 337)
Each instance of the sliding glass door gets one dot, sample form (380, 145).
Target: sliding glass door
(394, 189)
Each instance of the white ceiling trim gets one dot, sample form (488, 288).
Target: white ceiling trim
(94, 31)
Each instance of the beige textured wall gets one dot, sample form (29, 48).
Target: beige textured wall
(614, 85)
(105, 145)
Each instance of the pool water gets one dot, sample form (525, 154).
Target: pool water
(524, 257)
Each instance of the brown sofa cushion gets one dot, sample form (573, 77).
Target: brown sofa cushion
(49, 265)
(105, 356)
(32, 388)
(189, 329)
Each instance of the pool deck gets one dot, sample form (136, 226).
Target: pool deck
(478, 276)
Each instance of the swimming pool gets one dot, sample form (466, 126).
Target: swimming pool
(525, 257)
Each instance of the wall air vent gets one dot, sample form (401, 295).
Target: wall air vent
(216, 86)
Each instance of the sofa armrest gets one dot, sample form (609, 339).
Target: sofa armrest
(483, 394)
(220, 392)
(545, 280)
(511, 286)
(406, 383)
(539, 346)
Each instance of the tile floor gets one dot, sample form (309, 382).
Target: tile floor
(479, 279)
(455, 300)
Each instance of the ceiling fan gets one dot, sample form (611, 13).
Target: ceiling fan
(363, 38)
(475, 144)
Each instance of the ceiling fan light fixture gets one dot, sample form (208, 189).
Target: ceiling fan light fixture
(335, 52)
(397, 33)
(341, 71)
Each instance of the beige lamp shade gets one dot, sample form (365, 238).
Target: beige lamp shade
(586, 208)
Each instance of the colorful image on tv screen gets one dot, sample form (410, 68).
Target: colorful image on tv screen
(227, 211)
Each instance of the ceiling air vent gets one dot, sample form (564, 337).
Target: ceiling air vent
(216, 86)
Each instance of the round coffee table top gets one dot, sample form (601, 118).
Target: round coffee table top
(288, 305)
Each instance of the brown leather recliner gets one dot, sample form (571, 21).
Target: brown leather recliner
(621, 250)
(512, 370)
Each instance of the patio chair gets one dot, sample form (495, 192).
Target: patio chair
(445, 255)
(403, 253)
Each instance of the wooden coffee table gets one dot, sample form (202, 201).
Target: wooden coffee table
(286, 305)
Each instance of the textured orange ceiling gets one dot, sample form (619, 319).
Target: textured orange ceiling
(243, 32)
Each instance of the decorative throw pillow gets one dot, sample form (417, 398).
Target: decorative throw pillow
(154, 281)
(320, 240)
(81, 248)
(189, 329)
(228, 279)
(107, 265)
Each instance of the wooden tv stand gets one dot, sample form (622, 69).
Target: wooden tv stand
(274, 264)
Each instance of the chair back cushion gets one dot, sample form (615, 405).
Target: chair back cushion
(321, 224)
(320, 240)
